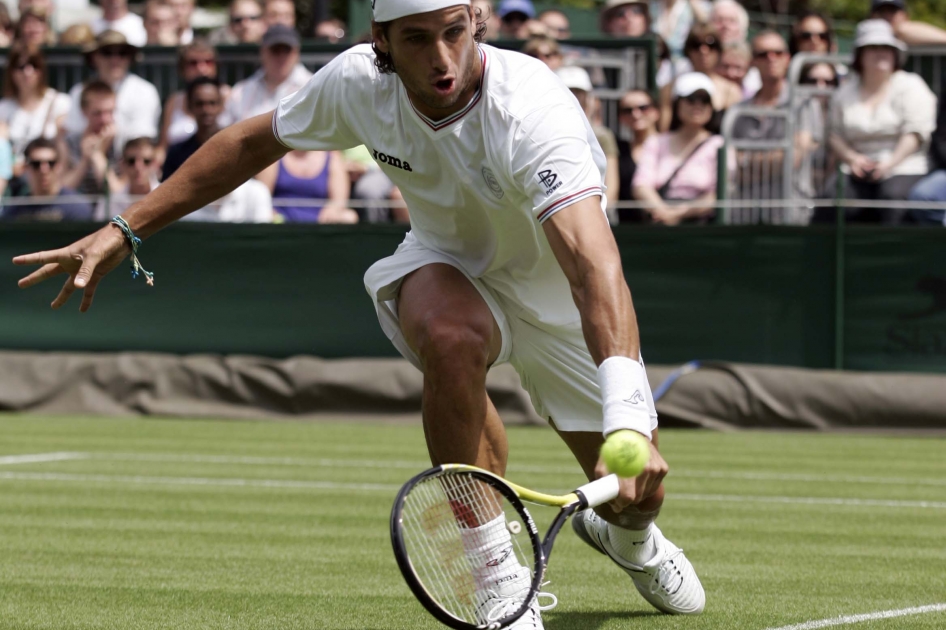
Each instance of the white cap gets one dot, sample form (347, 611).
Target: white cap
(574, 78)
(877, 33)
(687, 84)
(387, 10)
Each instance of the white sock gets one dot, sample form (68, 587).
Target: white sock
(635, 546)
(491, 553)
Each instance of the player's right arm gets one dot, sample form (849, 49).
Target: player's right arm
(224, 162)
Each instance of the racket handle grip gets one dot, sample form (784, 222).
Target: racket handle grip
(601, 490)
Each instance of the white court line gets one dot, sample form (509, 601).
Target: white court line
(34, 458)
(377, 487)
(738, 498)
(513, 468)
(843, 621)
(202, 481)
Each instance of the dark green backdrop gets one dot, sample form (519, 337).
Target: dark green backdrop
(751, 294)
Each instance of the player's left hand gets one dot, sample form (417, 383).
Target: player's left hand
(634, 490)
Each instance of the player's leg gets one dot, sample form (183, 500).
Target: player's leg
(450, 327)
(448, 324)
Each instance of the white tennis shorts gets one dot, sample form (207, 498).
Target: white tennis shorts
(553, 363)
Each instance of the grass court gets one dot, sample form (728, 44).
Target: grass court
(171, 524)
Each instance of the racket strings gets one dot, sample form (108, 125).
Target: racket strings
(465, 543)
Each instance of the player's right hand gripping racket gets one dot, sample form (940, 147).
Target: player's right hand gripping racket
(469, 548)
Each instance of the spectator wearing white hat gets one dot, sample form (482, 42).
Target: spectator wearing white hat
(681, 164)
(579, 82)
(881, 122)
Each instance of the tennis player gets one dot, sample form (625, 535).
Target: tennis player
(510, 259)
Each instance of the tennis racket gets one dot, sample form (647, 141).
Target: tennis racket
(468, 547)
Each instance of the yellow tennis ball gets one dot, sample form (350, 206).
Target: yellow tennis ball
(626, 453)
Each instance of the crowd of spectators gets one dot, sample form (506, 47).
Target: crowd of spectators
(90, 152)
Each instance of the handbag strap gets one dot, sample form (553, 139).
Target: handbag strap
(662, 191)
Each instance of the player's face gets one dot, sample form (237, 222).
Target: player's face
(435, 57)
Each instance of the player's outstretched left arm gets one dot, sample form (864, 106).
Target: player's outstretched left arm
(224, 162)
(584, 246)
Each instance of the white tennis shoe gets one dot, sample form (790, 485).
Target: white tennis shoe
(505, 598)
(667, 581)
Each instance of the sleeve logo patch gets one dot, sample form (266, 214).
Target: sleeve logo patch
(492, 183)
(550, 180)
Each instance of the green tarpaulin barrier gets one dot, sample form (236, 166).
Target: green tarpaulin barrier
(752, 294)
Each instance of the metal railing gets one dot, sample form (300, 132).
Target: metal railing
(787, 160)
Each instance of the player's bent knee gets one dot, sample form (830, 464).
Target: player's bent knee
(449, 346)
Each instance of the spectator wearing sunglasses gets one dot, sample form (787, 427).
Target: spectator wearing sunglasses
(703, 50)
(812, 33)
(137, 105)
(135, 175)
(638, 115)
(44, 178)
(761, 170)
(910, 32)
(681, 164)
(117, 17)
(246, 24)
(29, 109)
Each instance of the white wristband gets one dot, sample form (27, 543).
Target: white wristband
(623, 384)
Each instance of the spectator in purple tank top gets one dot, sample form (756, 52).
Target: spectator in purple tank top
(303, 177)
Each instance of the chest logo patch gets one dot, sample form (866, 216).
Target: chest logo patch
(492, 183)
(390, 160)
(550, 180)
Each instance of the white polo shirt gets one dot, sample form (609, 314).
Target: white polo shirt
(479, 183)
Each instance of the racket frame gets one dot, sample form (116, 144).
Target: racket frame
(599, 492)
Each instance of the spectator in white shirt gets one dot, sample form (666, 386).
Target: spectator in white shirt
(279, 12)
(280, 76)
(184, 9)
(138, 107)
(117, 17)
(29, 109)
(160, 23)
(246, 24)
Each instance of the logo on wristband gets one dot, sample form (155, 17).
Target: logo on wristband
(636, 398)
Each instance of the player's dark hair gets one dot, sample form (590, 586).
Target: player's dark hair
(385, 63)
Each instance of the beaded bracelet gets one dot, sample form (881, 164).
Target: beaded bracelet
(134, 241)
